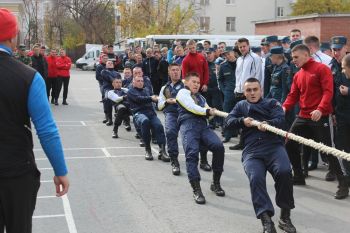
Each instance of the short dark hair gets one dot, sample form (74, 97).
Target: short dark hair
(312, 40)
(110, 46)
(295, 30)
(241, 40)
(301, 47)
(173, 64)
(191, 74)
(252, 80)
(207, 41)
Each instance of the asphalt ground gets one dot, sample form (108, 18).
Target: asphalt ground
(115, 190)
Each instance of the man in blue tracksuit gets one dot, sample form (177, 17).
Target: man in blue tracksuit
(264, 151)
(141, 106)
(167, 104)
(23, 101)
(194, 128)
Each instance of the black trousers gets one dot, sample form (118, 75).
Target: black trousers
(17, 202)
(318, 131)
(62, 81)
(342, 141)
(122, 113)
(51, 86)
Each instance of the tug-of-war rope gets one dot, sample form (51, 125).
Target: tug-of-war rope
(290, 136)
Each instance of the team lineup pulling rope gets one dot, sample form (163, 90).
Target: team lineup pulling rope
(308, 142)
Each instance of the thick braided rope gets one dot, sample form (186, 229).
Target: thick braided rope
(308, 142)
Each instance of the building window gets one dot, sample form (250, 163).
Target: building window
(230, 2)
(204, 2)
(204, 24)
(230, 24)
(280, 11)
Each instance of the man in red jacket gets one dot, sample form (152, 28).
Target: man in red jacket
(63, 66)
(196, 62)
(313, 88)
(52, 75)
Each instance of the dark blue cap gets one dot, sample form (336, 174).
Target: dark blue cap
(295, 43)
(210, 50)
(228, 49)
(285, 40)
(277, 50)
(263, 42)
(200, 47)
(338, 42)
(270, 39)
(256, 49)
(325, 46)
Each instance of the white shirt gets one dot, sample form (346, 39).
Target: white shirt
(248, 66)
(322, 58)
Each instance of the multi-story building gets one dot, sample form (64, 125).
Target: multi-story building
(16, 6)
(236, 16)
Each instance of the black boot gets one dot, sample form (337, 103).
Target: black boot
(343, 189)
(105, 120)
(64, 102)
(56, 102)
(137, 136)
(142, 144)
(330, 176)
(162, 154)
(197, 192)
(175, 166)
(285, 223)
(215, 185)
(148, 155)
(239, 146)
(268, 225)
(204, 165)
(127, 124)
(109, 121)
(299, 178)
(115, 133)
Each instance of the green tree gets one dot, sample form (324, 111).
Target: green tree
(141, 18)
(304, 7)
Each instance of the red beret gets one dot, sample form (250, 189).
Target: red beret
(8, 25)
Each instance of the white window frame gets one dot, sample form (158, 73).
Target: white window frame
(280, 11)
(234, 26)
(204, 21)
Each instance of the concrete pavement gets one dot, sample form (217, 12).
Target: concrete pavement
(115, 190)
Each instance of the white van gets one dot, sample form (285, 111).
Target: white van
(89, 59)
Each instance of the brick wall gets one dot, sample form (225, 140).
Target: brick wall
(322, 27)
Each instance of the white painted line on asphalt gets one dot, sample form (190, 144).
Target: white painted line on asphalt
(45, 197)
(96, 148)
(116, 156)
(49, 216)
(83, 123)
(69, 216)
(46, 181)
(105, 151)
(45, 168)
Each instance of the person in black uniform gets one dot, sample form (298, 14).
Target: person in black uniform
(121, 106)
(196, 133)
(340, 62)
(145, 117)
(167, 104)
(264, 151)
(108, 75)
